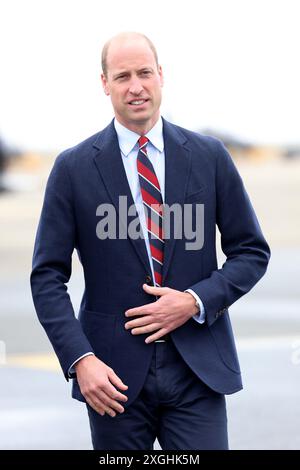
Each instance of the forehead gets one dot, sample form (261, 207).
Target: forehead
(129, 54)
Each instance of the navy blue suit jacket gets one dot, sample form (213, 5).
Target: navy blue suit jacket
(198, 169)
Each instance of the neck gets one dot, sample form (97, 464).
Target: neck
(140, 128)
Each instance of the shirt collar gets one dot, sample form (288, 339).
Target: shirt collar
(128, 139)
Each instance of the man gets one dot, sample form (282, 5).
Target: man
(152, 351)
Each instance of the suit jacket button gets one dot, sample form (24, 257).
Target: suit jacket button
(149, 280)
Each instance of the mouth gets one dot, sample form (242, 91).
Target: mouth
(138, 102)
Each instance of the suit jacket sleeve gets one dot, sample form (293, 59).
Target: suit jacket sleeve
(247, 252)
(51, 270)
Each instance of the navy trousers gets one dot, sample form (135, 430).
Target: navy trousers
(174, 405)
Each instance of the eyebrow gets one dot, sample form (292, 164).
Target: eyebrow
(116, 75)
(126, 72)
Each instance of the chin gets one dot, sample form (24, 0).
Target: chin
(140, 117)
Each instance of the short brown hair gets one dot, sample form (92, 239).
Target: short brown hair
(107, 44)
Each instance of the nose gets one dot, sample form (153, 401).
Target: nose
(135, 86)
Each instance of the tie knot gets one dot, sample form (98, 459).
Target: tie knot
(143, 140)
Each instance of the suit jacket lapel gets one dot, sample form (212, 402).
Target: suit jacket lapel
(177, 169)
(112, 172)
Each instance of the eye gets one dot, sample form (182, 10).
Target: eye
(121, 77)
(145, 73)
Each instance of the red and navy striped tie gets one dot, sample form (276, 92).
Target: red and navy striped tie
(153, 205)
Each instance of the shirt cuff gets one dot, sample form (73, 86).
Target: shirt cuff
(200, 316)
(71, 371)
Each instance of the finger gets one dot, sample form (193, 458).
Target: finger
(117, 382)
(155, 290)
(145, 329)
(142, 310)
(113, 404)
(104, 404)
(114, 394)
(109, 411)
(146, 320)
(156, 336)
(109, 404)
(95, 404)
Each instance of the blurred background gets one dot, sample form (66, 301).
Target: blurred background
(231, 70)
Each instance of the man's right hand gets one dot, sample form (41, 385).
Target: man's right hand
(98, 384)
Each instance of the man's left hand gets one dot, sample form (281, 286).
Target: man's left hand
(171, 310)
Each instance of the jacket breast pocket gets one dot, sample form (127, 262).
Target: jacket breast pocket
(196, 196)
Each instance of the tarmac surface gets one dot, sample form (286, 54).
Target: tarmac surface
(35, 405)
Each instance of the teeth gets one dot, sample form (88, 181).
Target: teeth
(137, 102)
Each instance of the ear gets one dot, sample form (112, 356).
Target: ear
(161, 76)
(105, 84)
